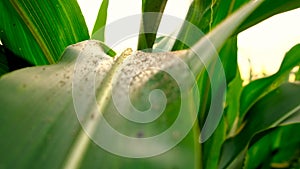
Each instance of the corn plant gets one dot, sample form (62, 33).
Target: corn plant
(177, 102)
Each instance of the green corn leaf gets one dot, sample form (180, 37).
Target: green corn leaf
(217, 37)
(12, 29)
(199, 14)
(232, 104)
(152, 14)
(228, 55)
(258, 88)
(208, 16)
(261, 152)
(52, 121)
(297, 78)
(292, 119)
(278, 145)
(107, 49)
(164, 43)
(268, 9)
(212, 147)
(287, 156)
(99, 27)
(224, 9)
(269, 112)
(34, 131)
(43, 29)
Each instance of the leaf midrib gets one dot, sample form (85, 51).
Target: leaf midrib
(103, 93)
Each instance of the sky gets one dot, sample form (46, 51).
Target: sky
(263, 44)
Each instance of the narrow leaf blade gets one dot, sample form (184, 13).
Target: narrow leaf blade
(99, 27)
(152, 14)
(267, 9)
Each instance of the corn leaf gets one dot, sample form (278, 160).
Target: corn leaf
(269, 112)
(42, 29)
(232, 109)
(279, 144)
(99, 27)
(298, 74)
(228, 55)
(152, 14)
(50, 118)
(212, 147)
(268, 9)
(198, 15)
(13, 29)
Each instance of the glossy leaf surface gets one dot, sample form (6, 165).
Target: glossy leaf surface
(43, 29)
